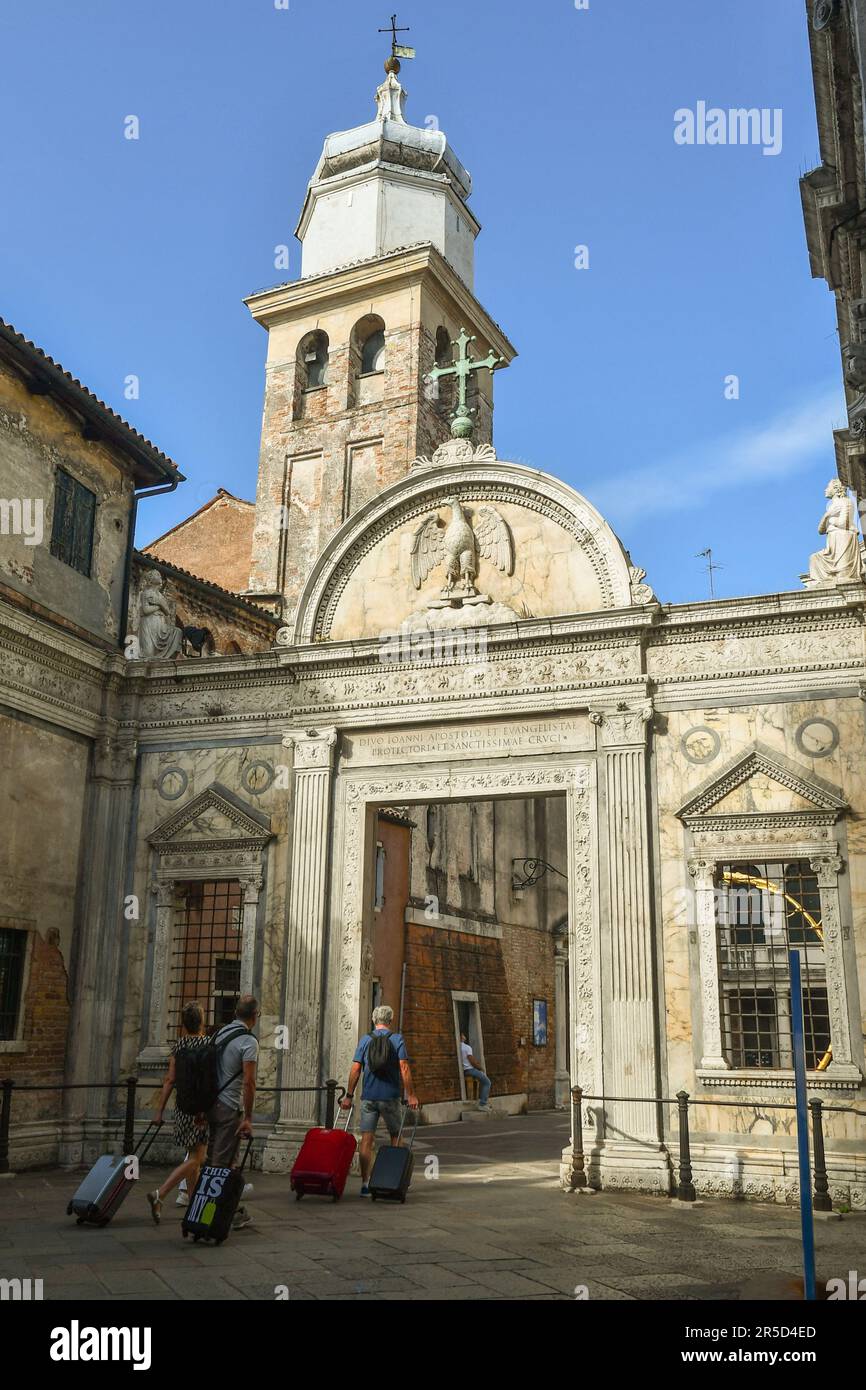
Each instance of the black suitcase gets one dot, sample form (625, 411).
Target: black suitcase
(392, 1171)
(108, 1183)
(213, 1204)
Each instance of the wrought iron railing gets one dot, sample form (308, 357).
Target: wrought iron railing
(684, 1186)
(8, 1088)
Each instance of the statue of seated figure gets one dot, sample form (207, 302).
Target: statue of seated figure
(841, 560)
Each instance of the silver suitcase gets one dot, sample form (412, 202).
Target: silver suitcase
(107, 1184)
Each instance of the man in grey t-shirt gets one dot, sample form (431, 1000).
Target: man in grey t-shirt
(232, 1115)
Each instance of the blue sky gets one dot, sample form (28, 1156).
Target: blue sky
(127, 257)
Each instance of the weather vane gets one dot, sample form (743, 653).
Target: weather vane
(398, 50)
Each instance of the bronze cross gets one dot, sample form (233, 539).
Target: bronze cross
(462, 370)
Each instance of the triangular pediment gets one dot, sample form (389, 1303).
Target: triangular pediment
(215, 817)
(759, 782)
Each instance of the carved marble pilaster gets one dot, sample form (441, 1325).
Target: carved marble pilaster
(630, 1066)
(252, 887)
(827, 868)
(100, 930)
(313, 752)
(703, 872)
(163, 892)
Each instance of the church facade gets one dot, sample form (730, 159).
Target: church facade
(446, 686)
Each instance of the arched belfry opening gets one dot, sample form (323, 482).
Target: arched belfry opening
(311, 369)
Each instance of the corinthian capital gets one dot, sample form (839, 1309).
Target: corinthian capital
(313, 748)
(826, 867)
(623, 724)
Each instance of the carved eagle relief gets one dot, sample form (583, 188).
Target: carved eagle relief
(458, 544)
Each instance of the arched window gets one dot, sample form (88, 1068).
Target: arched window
(313, 360)
(368, 344)
(442, 388)
(444, 351)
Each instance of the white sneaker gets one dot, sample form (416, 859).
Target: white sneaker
(182, 1199)
(248, 1190)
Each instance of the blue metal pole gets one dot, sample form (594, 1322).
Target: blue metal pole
(799, 1048)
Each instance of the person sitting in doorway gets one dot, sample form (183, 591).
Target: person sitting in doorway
(382, 1057)
(471, 1068)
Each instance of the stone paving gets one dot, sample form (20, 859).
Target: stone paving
(493, 1225)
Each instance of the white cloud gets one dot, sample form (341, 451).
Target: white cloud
(791, 442)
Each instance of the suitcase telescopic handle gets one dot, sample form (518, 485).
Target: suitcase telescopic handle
(348, 1114)
(406, 1108)
(247, 1151)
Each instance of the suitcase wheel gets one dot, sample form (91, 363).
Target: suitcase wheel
(374, 1195)
(335, 1196)
(220, 1241)
(79, 1221)
(298, 1194)
(196, 1239)
(184, 1234)
(403, 1200)
(69, 1210)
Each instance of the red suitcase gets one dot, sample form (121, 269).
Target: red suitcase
(323, 1164)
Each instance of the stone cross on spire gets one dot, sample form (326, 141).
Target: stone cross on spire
(462, 369)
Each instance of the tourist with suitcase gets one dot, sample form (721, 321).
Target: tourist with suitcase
(189, 1072)
(383, 1060)
(230, 1118)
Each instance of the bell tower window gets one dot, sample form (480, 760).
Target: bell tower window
(368, 345)
(313, 360)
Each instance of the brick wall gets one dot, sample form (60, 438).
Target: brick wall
(45, 1024)
(215, 543)
(506, 974)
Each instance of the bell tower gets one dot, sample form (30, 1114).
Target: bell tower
(384, 298)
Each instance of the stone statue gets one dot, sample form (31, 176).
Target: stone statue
(158, 636)
(457, 547)
(841, 560)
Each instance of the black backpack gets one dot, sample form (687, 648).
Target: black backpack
(380, 1055)
(196, 1074)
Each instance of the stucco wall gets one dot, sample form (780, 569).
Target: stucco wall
(36, 437)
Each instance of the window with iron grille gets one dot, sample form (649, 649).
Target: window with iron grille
(762, 910)
(73, 522)
(206, 963)
(13, 945)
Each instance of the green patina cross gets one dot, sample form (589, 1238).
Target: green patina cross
(461, 425)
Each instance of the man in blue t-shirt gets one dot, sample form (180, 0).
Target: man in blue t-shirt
(382, 1088)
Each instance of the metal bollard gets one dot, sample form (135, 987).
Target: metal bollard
(129, 1121)
(685, 1186)
(330, 1103)
(8, 1087)
(821, 1200)
(578, 1168)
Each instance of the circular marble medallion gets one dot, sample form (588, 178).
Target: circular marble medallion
(171, 783)
(816, 737)
(700, 744)
(257, 777)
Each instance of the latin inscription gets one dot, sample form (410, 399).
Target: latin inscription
(509, 737)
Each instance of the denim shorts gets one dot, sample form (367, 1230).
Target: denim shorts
(391, 1112)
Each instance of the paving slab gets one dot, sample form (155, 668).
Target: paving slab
(495, 1226)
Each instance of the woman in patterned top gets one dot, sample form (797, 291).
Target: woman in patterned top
(190, 1131)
